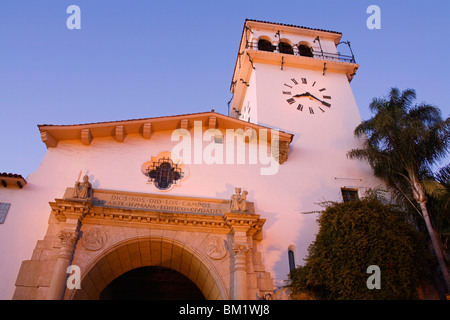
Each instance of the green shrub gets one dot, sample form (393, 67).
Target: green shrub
(353, 236)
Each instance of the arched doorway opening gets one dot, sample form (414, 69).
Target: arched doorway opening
(159, 252)
(152, 283)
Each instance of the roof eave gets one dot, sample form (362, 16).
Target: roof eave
(52, 134)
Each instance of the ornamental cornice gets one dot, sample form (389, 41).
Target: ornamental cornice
(220, 221)
(64, 209)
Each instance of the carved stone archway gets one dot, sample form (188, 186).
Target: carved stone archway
(154, 251)
(213, 242)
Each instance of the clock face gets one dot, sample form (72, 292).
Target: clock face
(307, 95)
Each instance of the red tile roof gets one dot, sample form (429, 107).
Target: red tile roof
(10, 175)
(12, 179)
(291, 25)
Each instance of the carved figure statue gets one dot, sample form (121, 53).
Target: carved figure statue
(234, 202)
(83, 189)
(243, 201)
(238, 201)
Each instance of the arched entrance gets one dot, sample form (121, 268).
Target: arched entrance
(176, 263)
(152, 283)
(216, 248)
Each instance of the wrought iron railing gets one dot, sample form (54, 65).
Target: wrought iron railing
(316, 54)
(334, 56)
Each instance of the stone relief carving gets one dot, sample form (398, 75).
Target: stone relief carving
(215, 248)
(83, 190)
(94, 239)
(238, 201)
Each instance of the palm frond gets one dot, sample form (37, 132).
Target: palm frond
(402, 140)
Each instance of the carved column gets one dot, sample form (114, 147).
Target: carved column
(58, 284)
(71, 214)
(245, 226)
(240, 251)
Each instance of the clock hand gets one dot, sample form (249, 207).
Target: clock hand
(321, 101)
(315, 97)
(306, 94)
(326, 104)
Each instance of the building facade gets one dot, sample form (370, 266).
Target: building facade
(229, 202)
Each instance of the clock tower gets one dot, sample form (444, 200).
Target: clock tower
(293, 78)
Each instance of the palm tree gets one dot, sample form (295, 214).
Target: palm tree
(437, 187)
(401, 141)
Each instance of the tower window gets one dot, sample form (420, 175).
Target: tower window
(349, 194)
(285, 47)
(305, 51)
(291, 257)
(265, 45)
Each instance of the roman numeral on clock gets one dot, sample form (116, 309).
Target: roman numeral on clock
(300, 107)
(291, 100)
(327, 97)
(287, 92)
(304, 81)
(311, 110)
(294, 81)
(323, 89)
(288, 85)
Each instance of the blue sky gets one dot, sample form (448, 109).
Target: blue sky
(138, 59)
